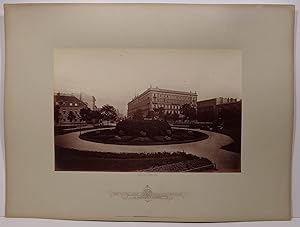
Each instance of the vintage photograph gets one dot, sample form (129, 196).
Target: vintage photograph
(148, 110)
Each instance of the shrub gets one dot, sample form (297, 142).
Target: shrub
(159, 138)
(121, 133)
(167, 138)
(150, 127)
(143, 133)
(142, 139)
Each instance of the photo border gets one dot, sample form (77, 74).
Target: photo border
(19, 193)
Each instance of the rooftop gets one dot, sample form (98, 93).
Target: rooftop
(66, 100)
(156, 89)
(220, 100)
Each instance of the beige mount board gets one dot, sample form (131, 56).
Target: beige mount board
(261, 191)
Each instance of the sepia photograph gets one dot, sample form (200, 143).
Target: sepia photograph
(148, 110)
(164, 112)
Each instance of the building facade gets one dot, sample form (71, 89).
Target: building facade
(154, 98)
(67, 108)
(211, 110)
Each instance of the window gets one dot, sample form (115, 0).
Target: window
(76, 104)
(71, 104)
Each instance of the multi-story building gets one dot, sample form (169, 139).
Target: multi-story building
(154, 98)
(211, 109)
(68, 108)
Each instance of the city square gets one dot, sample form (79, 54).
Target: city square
(189, 127)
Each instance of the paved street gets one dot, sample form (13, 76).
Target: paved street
(208, 148)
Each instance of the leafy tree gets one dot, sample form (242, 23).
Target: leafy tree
(57, 114)
(151, 114)
(168, 116)
(160, 112)
(138, 115)
(188, 111)
(175, 116)
(71, 116)
(84, 114)
(94, 116)
(108, 112)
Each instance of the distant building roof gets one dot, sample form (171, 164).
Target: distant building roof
(219, 101)
(68, 101)
(172, 91)
(156, 89)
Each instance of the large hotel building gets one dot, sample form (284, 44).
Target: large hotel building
(154, 98)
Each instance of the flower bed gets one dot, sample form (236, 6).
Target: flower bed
(143, 132)
(75, 160)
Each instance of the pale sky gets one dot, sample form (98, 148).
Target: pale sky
(115, 76)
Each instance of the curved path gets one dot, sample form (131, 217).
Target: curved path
(209, 148)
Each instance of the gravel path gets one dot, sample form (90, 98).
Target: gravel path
(209, 148)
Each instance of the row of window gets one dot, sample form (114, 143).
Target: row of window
(166, 106)
(74, 111)
(165, 96)
(64, 103)
(182, 97)
(173, 101)
(172, 111)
